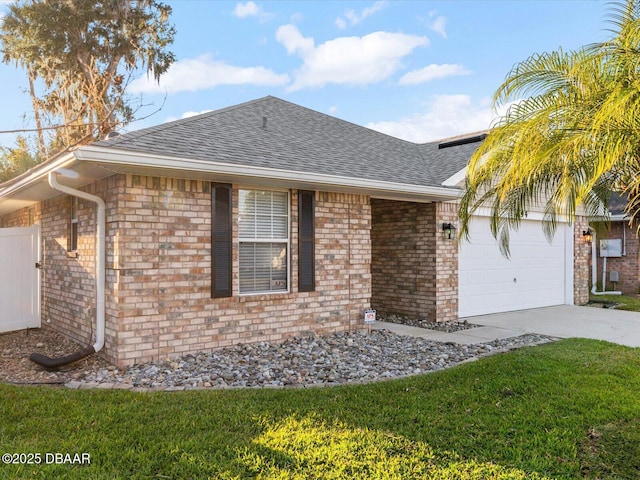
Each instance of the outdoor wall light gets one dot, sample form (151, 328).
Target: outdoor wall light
(448, 230)
(587, 236)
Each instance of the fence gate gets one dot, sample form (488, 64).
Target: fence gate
(19, 278)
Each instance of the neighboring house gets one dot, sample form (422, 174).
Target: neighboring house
(267, 220)
(622, 271)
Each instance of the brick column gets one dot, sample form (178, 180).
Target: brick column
(446, 264)
(581, 262)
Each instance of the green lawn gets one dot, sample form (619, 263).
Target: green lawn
(626, 302)
(565, 410)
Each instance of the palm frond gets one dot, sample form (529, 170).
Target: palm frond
(570, 137)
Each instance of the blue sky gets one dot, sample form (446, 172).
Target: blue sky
(419, 70)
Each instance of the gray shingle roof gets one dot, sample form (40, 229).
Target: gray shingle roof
(273, 133)
(617, 203)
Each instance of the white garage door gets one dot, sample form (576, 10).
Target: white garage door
(19, 278)
(538, 274)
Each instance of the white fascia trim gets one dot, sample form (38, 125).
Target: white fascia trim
(619, 218)
(128, 158)
(37, 174)
(535, 216)
(455, 179)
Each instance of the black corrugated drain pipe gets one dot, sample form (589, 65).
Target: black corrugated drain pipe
(51, 363)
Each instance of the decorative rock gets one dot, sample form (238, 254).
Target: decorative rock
(336, 359)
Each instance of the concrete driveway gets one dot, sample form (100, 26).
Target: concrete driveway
(563, 321)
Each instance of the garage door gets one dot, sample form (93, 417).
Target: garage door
(19, 278)
(538, 274)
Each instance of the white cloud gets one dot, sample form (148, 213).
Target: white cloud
(432, 72)
(347, 60)
(445, 116)
(250, 9)
(187, 114)
(439, 26)
(244, 10)
(293, 41)
(353, 17)
(202, 73)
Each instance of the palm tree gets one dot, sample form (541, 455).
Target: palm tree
(573, 139)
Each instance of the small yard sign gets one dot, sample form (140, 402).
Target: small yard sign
(369, 316)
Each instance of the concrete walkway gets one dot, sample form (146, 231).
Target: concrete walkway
(563, 321)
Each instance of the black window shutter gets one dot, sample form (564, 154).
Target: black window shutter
(306, 242)
(221, 240)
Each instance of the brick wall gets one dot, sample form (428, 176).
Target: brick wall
(25, 217)
(414, 268)
(445, 263)
(162, 273)
(396, 285)
(581, 262)
(627, 266)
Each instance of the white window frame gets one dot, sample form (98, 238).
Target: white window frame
(286, 241)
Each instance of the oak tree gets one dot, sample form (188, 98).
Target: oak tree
(79, 57)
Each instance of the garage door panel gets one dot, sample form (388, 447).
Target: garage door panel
(535, 274)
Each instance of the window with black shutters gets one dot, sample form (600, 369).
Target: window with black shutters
(263, 233)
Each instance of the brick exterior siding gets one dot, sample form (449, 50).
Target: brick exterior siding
(158, 271)
(581, 262)
(414, 268)
(627, 266)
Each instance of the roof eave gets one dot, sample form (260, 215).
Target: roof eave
(92, 163)
(34, 174)
(132, 162)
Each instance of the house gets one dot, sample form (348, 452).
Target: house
(619, 263)
(261, 221)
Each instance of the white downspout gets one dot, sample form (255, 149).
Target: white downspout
(100, 253)
(594, 270)
(594, 265)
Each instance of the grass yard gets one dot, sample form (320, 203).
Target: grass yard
(565, 410)
(626, 302)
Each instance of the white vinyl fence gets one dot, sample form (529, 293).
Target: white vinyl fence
(19, 278)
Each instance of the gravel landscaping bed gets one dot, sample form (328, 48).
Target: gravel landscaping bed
(308, 361)
(15, 348)
(335, 359)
